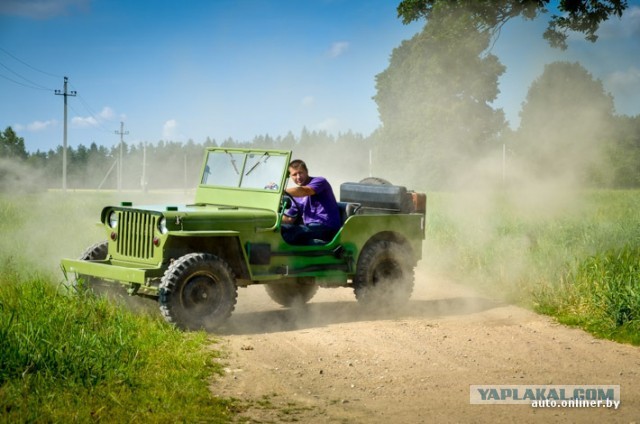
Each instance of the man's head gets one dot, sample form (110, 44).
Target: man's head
(298, 172)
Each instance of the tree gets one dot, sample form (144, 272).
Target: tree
(434, 101)
(12, 146)
(583, 16)
(625, 152)
(566, 125)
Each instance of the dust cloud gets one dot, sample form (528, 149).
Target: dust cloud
(41, 226)
(47, 226)
(16, 177)
(433, 297)
(539, 173)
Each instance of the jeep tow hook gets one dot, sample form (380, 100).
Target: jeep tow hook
(133, 289)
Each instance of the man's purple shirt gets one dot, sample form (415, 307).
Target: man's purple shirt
(321, 208)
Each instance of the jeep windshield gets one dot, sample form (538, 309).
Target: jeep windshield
(241, 169)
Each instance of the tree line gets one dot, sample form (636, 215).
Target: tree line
(166, 164)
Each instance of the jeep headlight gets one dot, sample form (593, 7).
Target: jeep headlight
(113, 219)
(162, 225)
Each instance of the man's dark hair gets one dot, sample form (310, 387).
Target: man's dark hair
(297, 164)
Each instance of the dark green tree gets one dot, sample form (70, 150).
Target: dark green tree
(625, 152)
(12, 146)
(583, 16)
(566, 125)
(434, 101)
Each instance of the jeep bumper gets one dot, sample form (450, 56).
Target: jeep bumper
(111, 270)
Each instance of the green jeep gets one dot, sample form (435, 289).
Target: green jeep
(192, 258)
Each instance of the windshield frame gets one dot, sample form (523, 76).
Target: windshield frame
(245, 169)
(262, 188)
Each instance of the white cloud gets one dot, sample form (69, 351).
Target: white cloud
(625, 27)
(624, 86)
(106, 114)
(83, 122)
(41, 9)
(170, 130)
(624, 80)
(338, 48)
(36, 126)
(308, 101)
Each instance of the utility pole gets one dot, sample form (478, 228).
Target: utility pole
(143, 180)
(122, 133)
(66, 94)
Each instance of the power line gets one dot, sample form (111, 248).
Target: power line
(33, 84)
(29, 66)
(17, 82)
(97, 122)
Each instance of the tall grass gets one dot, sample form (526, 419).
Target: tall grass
(601, 294)
(578, 262)
(77, 359)
(69, 357)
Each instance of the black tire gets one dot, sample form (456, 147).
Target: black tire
(95, 252)
(113, 291)
(198, 292)
(289, 294)
(375, 180)
(85, 283)
(384, 275)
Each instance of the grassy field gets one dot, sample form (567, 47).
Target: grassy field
(66, 357)
(575, 256)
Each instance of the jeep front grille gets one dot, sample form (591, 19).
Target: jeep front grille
(136, 234)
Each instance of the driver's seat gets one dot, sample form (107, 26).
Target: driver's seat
(347, 209)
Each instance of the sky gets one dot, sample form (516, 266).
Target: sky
(180, 71)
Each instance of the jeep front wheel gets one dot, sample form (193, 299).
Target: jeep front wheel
(384, 275)
(85, 283)
(198, 291)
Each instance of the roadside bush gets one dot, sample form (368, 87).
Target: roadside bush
(601, 294)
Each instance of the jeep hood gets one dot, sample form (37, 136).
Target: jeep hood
(198, 217)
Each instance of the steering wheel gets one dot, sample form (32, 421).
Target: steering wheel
(288, 201)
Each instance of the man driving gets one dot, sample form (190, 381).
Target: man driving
(314, 217)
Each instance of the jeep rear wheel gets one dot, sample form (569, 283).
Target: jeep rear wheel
(384, 275)
(198, 291)
(287, 294)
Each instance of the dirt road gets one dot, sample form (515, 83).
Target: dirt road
(330, 362)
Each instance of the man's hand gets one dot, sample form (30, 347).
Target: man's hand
(288, 219)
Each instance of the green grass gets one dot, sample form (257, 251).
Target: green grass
(577, 261)
(601, 294)
(70, 357)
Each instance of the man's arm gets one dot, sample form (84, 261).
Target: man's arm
(301, 191)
